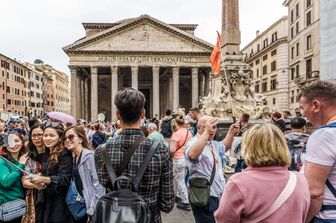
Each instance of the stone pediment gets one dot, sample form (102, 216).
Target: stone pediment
(143, 34)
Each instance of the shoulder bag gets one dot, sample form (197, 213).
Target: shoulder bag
(281, 199)
(199, 188)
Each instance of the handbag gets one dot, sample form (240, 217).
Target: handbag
(30, 215)
(199, 189)
(75, 202)
(12, 210)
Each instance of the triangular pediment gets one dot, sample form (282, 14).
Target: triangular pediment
(142, 34)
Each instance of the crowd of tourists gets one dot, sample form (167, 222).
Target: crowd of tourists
(136, 168)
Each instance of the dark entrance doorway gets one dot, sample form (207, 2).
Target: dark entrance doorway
(147, 93)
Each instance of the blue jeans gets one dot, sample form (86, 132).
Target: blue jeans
(319, 220)
(206, 214)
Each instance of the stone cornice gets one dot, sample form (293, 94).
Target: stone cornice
(87, 52)
(134, 22)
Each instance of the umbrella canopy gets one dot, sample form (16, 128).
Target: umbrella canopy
(60, 116)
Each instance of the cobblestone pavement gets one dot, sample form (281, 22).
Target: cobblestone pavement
(177, 216)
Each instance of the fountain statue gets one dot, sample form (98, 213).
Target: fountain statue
(232, 93)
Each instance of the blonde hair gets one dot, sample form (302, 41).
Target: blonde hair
(265, 145)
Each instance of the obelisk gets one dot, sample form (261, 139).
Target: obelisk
(230, 30)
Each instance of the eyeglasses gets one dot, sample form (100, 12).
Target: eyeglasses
(53, 125)
(70, 137)
(36, 136)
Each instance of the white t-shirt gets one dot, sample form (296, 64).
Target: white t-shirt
(321, 149)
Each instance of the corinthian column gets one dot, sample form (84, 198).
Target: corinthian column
(135, 77)
(94, 93)
(156, 90)
(73, 97)
(114, 90)
(176, 86)
(194, 86)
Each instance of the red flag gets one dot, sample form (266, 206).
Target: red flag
(215, 58)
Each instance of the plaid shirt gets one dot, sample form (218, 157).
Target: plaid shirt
(156, 186)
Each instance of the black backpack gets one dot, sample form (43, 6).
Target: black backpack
(166, 128)
(122, 204)
(296, 149)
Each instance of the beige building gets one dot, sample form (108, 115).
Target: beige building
(165, 61)
(303, 43)
(267, 55)
(35, 91)
(56, 84)
(13, 81)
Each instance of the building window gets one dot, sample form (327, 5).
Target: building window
(292, 16)
(309, 44)
(273, 84)
(292, 32)
(273, 66)
(257, 72)
(292, 73)
(265, 57)
(297, 27)
(274, 52)
(8, 89)
(309, 18)
(309, 68)
(265, 43)
(257, 62)
(256, 87)
(292, 52)
(298, 71)
(274, 37)
(258, 47)
(297, 10)
(308, 3)
(264, 70)
(297, 49)
(273, 101)
(292, 97)
(264, 86)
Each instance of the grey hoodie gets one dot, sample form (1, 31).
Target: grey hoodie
(92, 189)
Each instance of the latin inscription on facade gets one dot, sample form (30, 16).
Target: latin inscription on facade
(137, 59)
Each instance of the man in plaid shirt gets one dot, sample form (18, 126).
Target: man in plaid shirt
(156, 186)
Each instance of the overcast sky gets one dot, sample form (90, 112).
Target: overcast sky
(31, 29)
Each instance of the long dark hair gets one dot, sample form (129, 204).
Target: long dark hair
(32, 150)
(59, 147)
(81, 134)
(23, 149)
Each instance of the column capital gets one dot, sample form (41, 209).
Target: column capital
(194, 70)
(135, 70)
(73, 68)
(94, 70)
(114, 69)
(156, 69)
(176, 70)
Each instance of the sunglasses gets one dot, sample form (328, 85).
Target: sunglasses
(70, 137)
(53, 125)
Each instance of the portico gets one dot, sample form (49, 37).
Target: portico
(168, 64)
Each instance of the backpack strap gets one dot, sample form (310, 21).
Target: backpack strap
(128, 155)
(213, 172)
(108, 165)
(328, 207)
(144, 165)
(331, 125)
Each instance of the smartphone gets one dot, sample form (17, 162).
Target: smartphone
(11, 138)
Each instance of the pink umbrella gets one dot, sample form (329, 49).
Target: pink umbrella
(60, 116)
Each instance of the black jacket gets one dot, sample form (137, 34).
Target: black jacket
(51, 205)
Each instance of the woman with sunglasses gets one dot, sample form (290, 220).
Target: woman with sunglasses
(10, 185)
(84, 171)
(36, 164)
(54, 178)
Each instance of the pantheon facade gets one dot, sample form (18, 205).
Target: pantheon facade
(166, 62)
